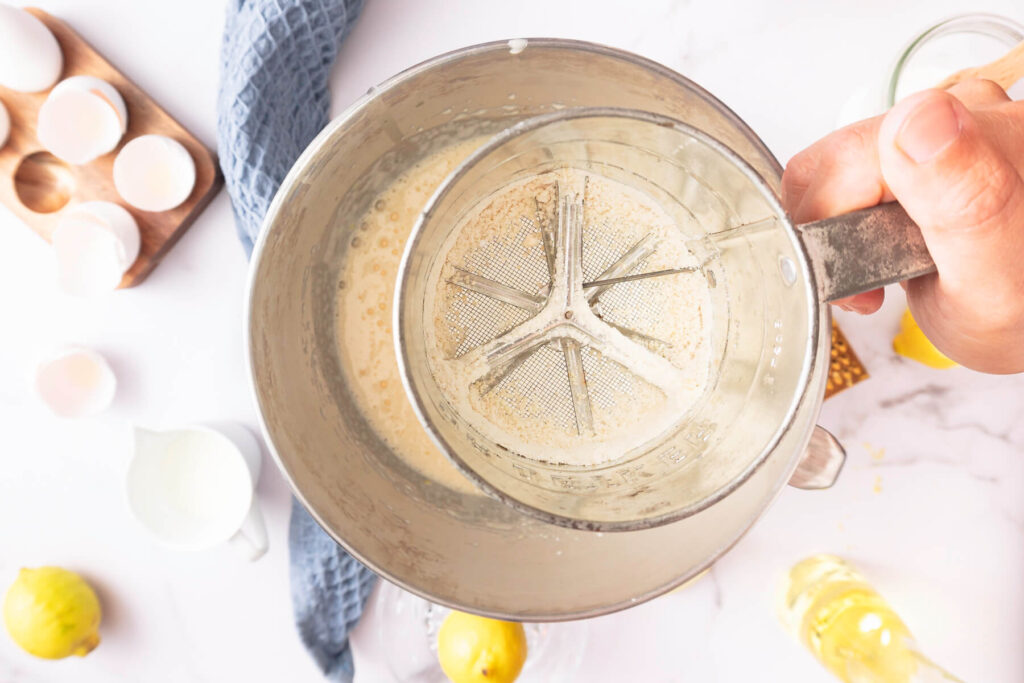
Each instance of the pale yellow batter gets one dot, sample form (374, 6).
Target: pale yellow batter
(365, 313)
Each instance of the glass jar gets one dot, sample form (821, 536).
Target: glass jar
(956, 43)
(953, 44)
(831, 608)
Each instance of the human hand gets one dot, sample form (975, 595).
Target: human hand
(954, 159)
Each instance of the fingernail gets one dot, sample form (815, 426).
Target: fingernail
(928, 129)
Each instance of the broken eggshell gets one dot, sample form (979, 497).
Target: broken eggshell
(30, 58)
(75, 382)
(82, 118)
(95, 244)
(154, 173)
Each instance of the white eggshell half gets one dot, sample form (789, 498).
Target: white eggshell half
(30, 58)
(100, 88)
(82, 118)
(75, 382)
(95, 243)
(154, 173)
(5, 125)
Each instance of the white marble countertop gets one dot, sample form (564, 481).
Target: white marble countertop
(930, 504)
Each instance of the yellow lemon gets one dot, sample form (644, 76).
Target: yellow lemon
(475, 649)
(52, 613)
(912, 343)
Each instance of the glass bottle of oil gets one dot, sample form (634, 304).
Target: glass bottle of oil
(847, 625)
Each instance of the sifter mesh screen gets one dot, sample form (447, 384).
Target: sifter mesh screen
(528, 345)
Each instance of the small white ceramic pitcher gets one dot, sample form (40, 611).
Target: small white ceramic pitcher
(194, 488)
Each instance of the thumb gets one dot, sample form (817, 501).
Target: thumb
(967, 198)
(939, 162)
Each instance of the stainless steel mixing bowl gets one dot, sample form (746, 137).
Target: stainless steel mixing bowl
(470, 551)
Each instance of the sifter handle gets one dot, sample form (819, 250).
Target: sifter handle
(864, 250)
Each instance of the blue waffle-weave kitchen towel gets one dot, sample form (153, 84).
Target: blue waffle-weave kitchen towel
(275, 62)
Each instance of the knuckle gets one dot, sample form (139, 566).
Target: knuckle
(983, 194)
(979, 91)
(850, 145)
(848, 156)
(990, 89)
(846, 145)
(799, 169)
(796, 177)
(1007, 125)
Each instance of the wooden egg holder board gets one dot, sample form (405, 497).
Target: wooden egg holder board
(38, 188)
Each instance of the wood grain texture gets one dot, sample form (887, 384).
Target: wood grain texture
(38, 188)
(1004, 71)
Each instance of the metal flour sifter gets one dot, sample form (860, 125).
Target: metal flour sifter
(605, 319)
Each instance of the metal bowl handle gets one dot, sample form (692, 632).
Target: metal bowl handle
(821, 463)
